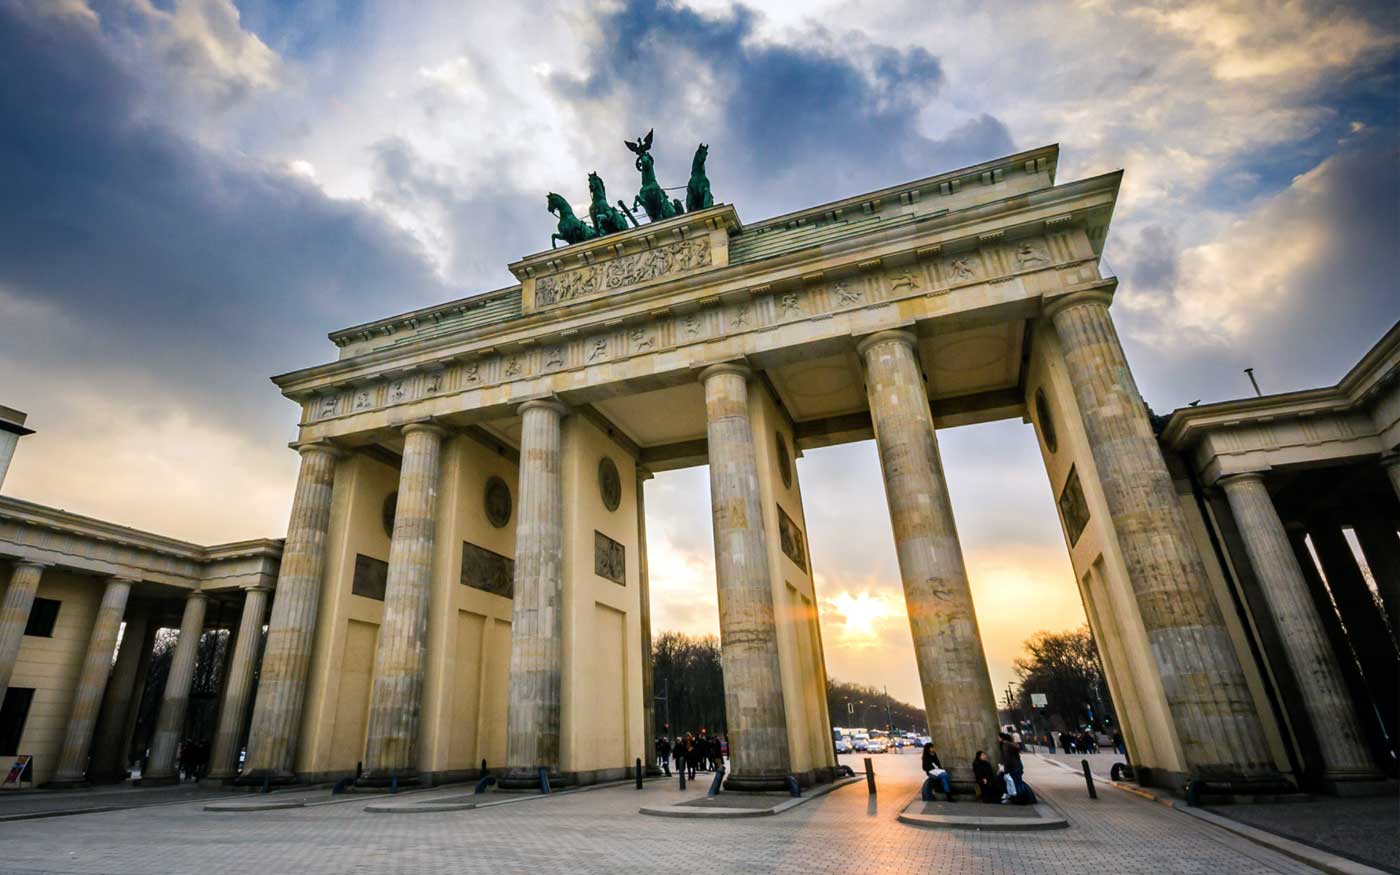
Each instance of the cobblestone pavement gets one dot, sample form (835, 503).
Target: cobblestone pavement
(601, 831)
(1366, 829)
(31, 804)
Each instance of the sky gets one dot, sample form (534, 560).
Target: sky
(197, 191)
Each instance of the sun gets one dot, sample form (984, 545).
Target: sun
(859, 613)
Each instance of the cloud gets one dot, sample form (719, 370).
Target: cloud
(147, 267)
(837, 111)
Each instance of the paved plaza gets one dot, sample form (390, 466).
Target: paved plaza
(601, 831)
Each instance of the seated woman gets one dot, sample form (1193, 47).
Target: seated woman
(934, 769)
(988, 785)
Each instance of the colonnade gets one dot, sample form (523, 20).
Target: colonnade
(106, 695)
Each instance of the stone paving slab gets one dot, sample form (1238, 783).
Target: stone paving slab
(980, 816)
(35, 804)
(730, 805)
(846, 833)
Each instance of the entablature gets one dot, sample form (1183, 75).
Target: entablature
(1038, 243)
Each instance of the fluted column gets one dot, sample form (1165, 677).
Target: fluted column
(1219, 730)
(291, 630)
(537, 625)
(1391, 463)
(111, 743)
(748, 638)
(233, 713)
(1381, 547)
(1305, 645)
(396, 695)
(644, 594)
(14, 616)
(958, 698)
(92, 683)
(174, 701)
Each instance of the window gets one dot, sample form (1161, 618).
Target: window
(12, 716)
(371, 576)
(42, 617)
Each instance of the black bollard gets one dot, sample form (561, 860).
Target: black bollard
(1193, 793)
(869, 776)
(794, 788)
(639, 773)
(1089, 780)
(544, 780)
(267, 783)
(483, 767)
(717, 783)
(393, 784)
(682, 774)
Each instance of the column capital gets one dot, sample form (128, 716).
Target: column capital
(32, 563)
(895, 335)
(550, 403)
(129, 579)
(1226, 480)
(425, 425)
(737, 368)
(195, 594)
(307, 447)
(644, 473)
(1061, 303)
(257, 587)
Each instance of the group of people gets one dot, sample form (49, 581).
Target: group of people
(1080, 741)
(692, 753)
(1004, 786)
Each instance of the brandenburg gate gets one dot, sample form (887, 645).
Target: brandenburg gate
(464, 580)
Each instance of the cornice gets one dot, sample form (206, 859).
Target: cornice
(1354, 391)
(55, 519)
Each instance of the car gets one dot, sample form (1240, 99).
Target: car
(843, 746)
(860, 741)
(876, 745)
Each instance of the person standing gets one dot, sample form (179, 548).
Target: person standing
(663, 754)
(1011, 761)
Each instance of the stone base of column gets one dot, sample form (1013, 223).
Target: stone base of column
(1373, 785)
(258, 777)
(68, 783)
(517, 778)
(652, 770)
(753, 782)
(157, 781)
(227, 776)
(379, 780)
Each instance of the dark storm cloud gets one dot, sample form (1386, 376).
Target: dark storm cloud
(168, 263)
(798, 123)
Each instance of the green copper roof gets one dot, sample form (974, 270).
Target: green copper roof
(757, 244)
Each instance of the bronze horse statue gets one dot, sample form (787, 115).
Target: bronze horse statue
(652, 196)
(572, 229)
(697, 192)
(607, 219)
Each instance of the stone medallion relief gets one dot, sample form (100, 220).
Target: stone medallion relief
(784, 460)
(498, 502)
(609, 483)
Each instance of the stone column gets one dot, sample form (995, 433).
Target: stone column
(14, 616)
(1326, 701)
(644, 594)
(1391, 463)
(233, 714)
(110, 745)
(291, 630)
(396, 695)
(1365, 625)
(748, 638)
(958, 697)
(1220, 732)
(1381, 547)
(537, 625)
(170, 723)
(92, 683)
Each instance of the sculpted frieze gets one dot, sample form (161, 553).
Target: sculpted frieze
(623, 271)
